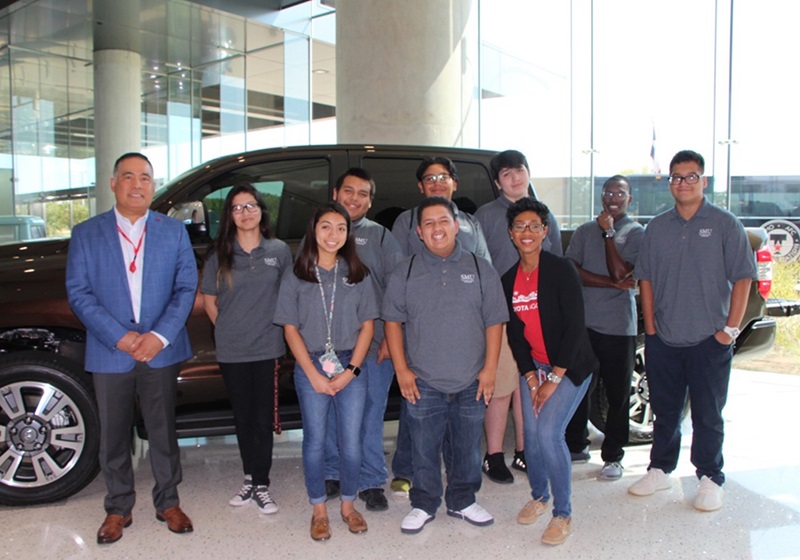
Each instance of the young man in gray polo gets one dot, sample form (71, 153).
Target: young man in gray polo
(695, 268)
(604, 251)
(444, 313)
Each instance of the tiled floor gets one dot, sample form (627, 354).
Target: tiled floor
(760, 519)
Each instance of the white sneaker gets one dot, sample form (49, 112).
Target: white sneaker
(709, 495)
(652, 482)
(415, 521)
(474, 514)
(611, 471)
(244, 494)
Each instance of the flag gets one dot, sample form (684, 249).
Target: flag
(653, 159)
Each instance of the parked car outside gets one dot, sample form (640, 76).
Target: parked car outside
(48, 419)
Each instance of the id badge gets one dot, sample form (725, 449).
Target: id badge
(330, 363)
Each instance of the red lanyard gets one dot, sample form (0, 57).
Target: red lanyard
(136, 247)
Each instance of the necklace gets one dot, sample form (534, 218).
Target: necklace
(136, 247)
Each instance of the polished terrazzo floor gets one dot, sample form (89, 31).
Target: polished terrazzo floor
(760, 518)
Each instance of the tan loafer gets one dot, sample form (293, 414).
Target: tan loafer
(320, 528)
(355, 522)
(176, 520)
(111, 529)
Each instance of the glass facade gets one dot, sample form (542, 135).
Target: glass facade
(586, 89)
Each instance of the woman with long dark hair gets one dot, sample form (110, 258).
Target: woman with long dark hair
(327, 307)
(240, 287)
(547, 335)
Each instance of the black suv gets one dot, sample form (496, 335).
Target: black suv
(48, 420)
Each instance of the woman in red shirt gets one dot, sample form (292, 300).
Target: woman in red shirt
(547, 335)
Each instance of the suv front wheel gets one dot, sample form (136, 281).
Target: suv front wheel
(49, 429)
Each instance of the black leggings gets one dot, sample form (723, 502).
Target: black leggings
(251, 388)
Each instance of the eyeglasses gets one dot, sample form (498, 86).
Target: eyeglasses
(618, 195)
(440, 178)
(520, 227)
(251, 207)
(691, 179)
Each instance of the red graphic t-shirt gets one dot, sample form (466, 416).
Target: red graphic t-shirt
(525, 302)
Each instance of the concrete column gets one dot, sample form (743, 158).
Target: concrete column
(407, 72)
(117, 90)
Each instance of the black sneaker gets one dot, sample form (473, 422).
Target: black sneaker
(374, 499)
(519, 461)
(581, 456)
(331, 488)
(494, 466)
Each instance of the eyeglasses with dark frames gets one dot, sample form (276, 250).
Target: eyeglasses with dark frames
(691, 179)
(251, 207)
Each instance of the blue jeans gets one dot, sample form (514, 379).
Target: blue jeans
(460, 417)
(401, 462)
(373, 464)
(315, 408)
(546, 453)
(704, 371)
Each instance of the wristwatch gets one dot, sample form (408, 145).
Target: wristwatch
(732, 332)
(355, 369)
(553, 378)
(609, 233)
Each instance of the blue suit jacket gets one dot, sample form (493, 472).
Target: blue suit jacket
(97, 287)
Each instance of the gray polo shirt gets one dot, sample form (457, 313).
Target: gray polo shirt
(244, 331)
(300, 304)
(446, 305)
(692, 267)
(470, 233)
(379, 250)
(492, 217)
(608, 310)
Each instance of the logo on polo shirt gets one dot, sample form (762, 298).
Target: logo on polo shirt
(464, 227)
(361, 240)
(468, 278)
(705, 232)
(271, 261)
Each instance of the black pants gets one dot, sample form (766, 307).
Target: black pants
(251, 388)
(116, 392)
(617, 355)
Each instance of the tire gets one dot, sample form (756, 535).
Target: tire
(641, 413)
(49, 429)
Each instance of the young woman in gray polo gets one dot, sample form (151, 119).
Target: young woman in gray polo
(327, 307)
(240, 287)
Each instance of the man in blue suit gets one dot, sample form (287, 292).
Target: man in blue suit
(131, 280)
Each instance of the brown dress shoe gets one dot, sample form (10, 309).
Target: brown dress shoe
(320, 528)
(111, 529)
(177, 521)
(355, 522)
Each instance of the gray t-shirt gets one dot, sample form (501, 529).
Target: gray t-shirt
(244, 331)
(608, 310)
(692, 267)
(446, 306)
(300, 304)
(492, 217)
(470, 234)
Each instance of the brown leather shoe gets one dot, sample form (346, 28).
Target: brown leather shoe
(111, 529)
(177, 521)
(355, 522)
(320, 528)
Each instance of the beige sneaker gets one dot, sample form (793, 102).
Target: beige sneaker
(709, 495)
(654, 481)
(531, 511)
(558, 530)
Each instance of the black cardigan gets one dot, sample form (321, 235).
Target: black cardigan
(562, 317)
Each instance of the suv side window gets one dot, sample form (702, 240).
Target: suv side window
(292, 190)
(397, 190)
